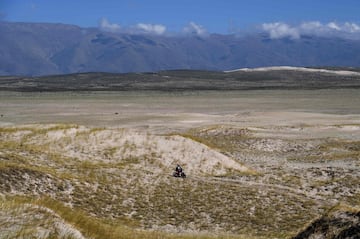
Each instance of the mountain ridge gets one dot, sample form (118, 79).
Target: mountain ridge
(38, 49)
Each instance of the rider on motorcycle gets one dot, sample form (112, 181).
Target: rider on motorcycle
(179, 172)
(178, 169)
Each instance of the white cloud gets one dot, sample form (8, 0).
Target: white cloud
(151, 28)
(280, 30)
(195, 29)
(105, 25)
(311, 26)
(351, 27)
(333, 26)
(140, 28)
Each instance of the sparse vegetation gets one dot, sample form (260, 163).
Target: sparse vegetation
(116, 183)
(183, 80)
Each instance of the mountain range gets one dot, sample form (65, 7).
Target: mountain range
(36, 49)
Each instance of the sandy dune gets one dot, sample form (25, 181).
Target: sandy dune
(291, 68)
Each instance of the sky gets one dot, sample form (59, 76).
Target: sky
(280, 18)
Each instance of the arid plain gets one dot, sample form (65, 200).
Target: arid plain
(260, 163)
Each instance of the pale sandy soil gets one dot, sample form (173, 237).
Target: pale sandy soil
(175, 111)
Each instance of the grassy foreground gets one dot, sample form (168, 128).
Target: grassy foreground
(71, 181)
(88, 226)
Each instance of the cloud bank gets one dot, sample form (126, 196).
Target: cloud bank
(191, 28)
(278, 30)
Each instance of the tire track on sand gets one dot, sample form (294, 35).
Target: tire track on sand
(280, 188)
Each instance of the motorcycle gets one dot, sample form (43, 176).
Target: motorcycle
(179, 174)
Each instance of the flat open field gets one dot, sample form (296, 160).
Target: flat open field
(259, 164)
(183, 109)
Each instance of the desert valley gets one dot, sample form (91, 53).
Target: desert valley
(259, 163)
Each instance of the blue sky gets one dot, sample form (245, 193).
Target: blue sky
(212, 16)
